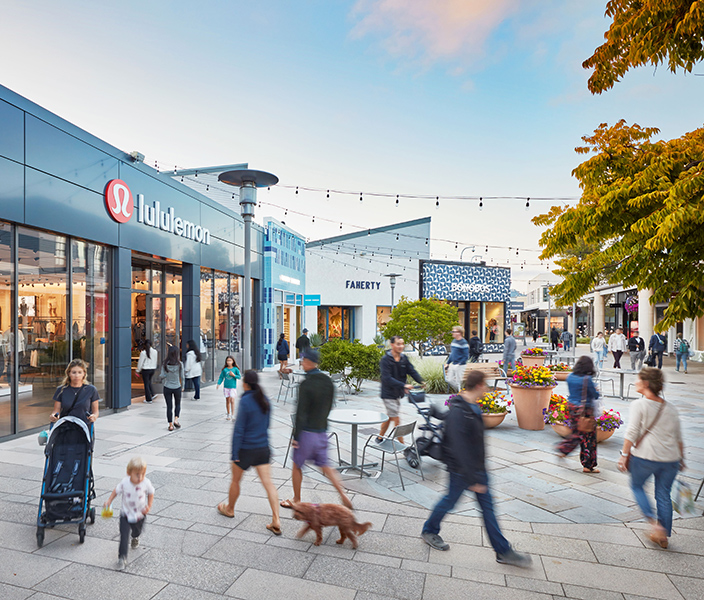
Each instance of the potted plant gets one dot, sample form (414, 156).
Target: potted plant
(556, 415)
(531, 388)
(495, 406)
(533, 357)
(561, 371)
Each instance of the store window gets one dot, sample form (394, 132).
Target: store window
(222, 315)
(473, 322)
(383, 316)
(7, 338)
(336, 322)
(206, 323)
(494, 325)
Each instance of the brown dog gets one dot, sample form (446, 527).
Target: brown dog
(318, 516)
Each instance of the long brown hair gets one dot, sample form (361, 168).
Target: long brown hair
(76, 362)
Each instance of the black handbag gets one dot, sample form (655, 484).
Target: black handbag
(650, 359)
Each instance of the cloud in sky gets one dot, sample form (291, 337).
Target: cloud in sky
(431, 31)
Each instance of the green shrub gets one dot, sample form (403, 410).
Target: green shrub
(584, 340)
(339, 356)
(431, 370)
(316, 340)
(379, 339)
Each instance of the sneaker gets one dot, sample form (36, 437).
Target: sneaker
(135, 543)
(227, 417)
(121, 563)
(434, 541)
(514, 558)
(149, 401)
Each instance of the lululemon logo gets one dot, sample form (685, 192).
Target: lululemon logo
(118, 200)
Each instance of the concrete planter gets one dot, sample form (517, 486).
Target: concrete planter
(561, 375)
(532, 361)
(529, 403)
(492, 420)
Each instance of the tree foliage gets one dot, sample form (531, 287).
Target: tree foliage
(422, 320)
(647, 31)
(337, 355)
(640, 218)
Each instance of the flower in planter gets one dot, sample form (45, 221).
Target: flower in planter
(533, 352)
(561, 367)
(609, 420)
(494, 402)
(532, 377)
(556, 412)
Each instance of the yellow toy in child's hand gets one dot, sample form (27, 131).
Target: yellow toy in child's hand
(106, 513)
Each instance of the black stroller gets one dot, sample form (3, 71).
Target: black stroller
(67, 486)
(430, 442)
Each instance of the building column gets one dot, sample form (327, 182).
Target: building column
(645, 315)
(190, 296)
(598, 313)
(570, 322)
(121, 359)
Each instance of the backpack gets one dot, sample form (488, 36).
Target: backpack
(684, 346)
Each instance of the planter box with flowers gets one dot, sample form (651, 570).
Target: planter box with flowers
(494, 406)
(531, 388)
(533, 357)
(561, 371)
(556, 415)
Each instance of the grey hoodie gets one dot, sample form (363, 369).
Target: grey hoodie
(172, 376)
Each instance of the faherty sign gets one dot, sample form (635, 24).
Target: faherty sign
(120, 205)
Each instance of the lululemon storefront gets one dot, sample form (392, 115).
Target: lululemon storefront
(99, 253)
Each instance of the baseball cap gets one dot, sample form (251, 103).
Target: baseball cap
(305, 330)
(312, 355)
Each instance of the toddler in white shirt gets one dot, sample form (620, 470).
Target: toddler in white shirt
(137, 498)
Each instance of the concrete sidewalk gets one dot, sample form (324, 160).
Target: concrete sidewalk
(585, 537)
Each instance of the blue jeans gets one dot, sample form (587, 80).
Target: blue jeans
(566, 346)
(665, 473)
(458, 485)
(681, 358)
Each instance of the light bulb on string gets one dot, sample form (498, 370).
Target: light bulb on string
(397, 237)
(426, 241)
(340, 226)
(396, 200)
(481, 203)
(360, 196)
(455, 245)
(486, 249)
(437, 202)
(296, 190)
(527, 203)
(328, 194)
(314, 219)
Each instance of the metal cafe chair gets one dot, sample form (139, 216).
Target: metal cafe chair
(339, 384)
(390, 445)
(288, 383)
(330, 436)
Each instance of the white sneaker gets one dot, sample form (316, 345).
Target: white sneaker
(227, 417)
(121, 563)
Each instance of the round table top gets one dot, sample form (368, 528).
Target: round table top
(356, 417)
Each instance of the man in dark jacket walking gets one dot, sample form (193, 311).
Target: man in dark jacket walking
(636, 346)
(302, 343)
(464, 454)
(554, 338)
(657, 346)
(395, 368)
(310, 436)
(475, 347)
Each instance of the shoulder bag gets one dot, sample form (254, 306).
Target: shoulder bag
(646, 432)
(585, 424)
(65, 413)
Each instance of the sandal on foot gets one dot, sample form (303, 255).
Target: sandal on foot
(177, 425)
(594, 470)
(171, 427)
(286, 504)
(275, 530)
(222, 511)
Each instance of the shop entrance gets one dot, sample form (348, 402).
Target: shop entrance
(155, 317)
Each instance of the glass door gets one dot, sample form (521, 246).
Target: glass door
(163, 325)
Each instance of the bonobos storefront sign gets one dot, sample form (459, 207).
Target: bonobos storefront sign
(120, 204)
(458, 281)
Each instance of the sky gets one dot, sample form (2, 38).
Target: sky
(471, 98)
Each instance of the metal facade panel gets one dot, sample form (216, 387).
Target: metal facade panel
(59, 206)
(11, 132)
(12, 190)
(54, 151)
(218, 223)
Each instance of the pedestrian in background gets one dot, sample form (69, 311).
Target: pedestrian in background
(459, 355)
(581, 400)
(554, 337)
(302, 343)
(173, 377)
(229, 375)
(617, 346)
(653, 446)
(636, 347)
(193, 368)
(657, 346)
(599, 350)
(509, 356)
(464, 453)
(282, 352)
(535, 335)
(146, 365)
(681, 352)
(475, 347)
(566, 340)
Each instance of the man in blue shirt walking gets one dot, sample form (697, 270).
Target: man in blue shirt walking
(456, 362)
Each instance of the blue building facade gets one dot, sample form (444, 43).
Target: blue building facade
(481, 294)
(283, 289)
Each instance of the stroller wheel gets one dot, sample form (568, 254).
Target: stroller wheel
(91, 515)
(40, 537)
(82, 533)
(411, 458)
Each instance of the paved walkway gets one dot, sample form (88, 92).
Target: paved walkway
(585, 536)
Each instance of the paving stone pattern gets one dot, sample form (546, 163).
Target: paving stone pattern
(584, 532)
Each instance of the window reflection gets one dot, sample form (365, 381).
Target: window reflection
(7, 338)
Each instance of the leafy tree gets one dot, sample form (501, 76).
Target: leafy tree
(647, 31)
(337, 355)
(421, 320)
(640, 220)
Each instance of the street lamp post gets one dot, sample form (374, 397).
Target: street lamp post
(248, 181)
(392, 282)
